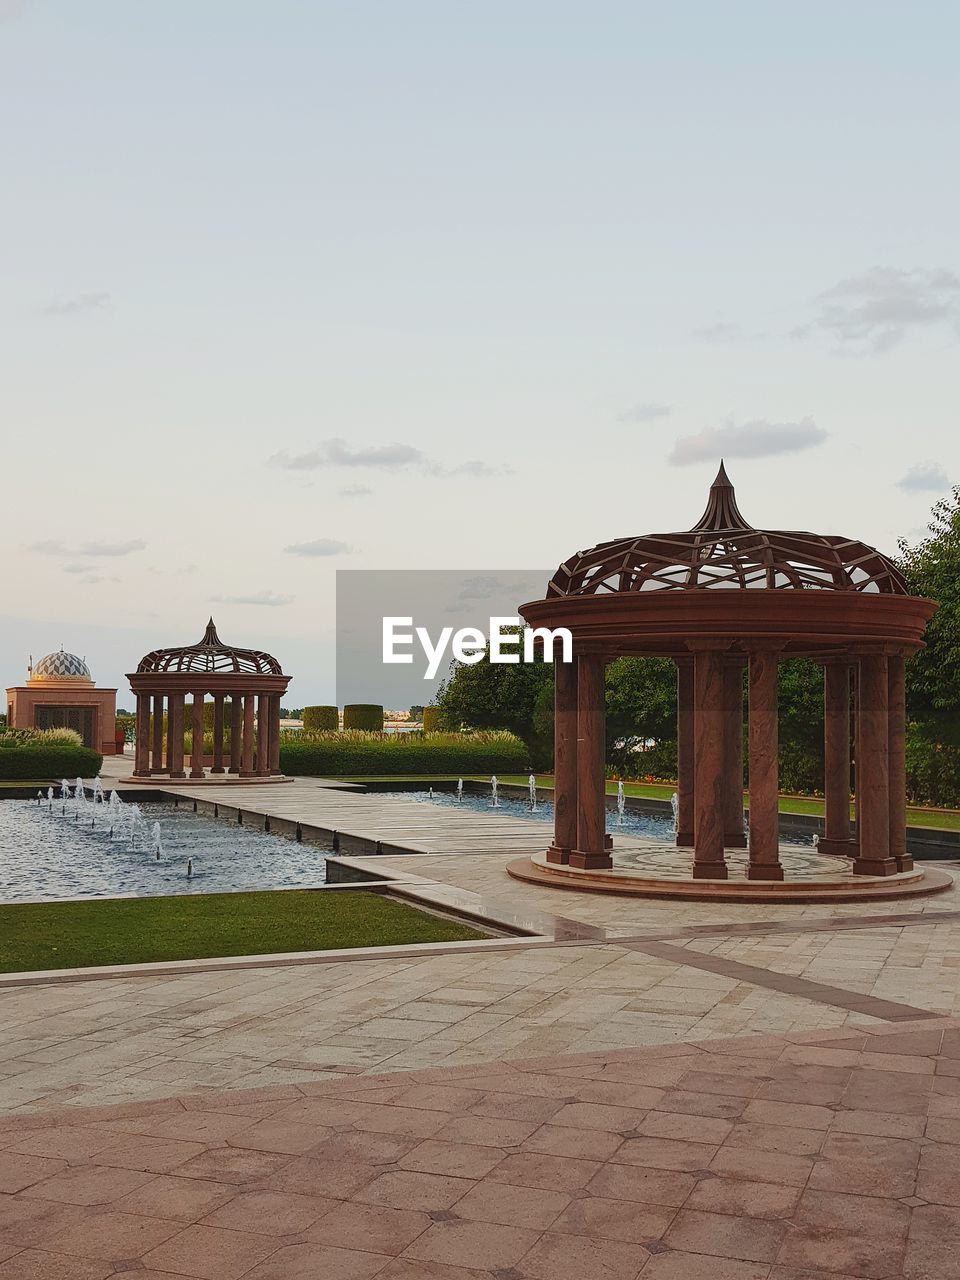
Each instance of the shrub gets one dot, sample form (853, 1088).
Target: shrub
(40, 738)
(933, 771)
(318, 719)
(51, 763)
(431, 719)
(363, 715)
(658, 761)
(383, 754)
(127, 725)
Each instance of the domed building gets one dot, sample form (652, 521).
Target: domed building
(59, 693)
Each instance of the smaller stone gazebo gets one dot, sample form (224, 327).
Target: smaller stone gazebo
(249, 679)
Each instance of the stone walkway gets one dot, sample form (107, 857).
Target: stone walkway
(667, 1089)
(775, 1158)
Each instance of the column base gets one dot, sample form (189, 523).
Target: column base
(218, 768)
(144, 773)
(607, 841)
(685, 839)
(904, 862)
(734, 839)
(197, 773)
(234, 769)
(875, 867)
(764, 871)
(710, 870)
(842, 848)
(557, 855)
(247, 773)
(176, 773)
(584, 861)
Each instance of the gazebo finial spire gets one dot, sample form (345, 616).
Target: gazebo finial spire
(722, 511)
(210, 636)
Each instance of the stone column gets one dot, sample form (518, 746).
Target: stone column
(873, 771)
(246, 756)
(275, 701)
(897, 747)
(591, 851)
(708, 809)
(236, 732)
(217, 733)
(141, 750)
(836, 759)
(734, 836)
(156, 758)
(685, 740)
(764, 863)
(263, 734)
(175, 735)
(196, 737)
(564, 761)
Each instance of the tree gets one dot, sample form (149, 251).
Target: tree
(641, 703)
(800, 694)
(487, 695)
(932, 569)
(416, 713)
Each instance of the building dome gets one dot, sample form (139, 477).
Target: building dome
(723, 551)
(210, 655)
(60, 666)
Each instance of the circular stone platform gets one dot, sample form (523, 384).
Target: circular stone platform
(654, 869)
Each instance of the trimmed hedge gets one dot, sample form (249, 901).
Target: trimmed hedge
(319, 719)
(40, 763)
(431, 719)
(933, 772)
(383, 754)
(363, 715)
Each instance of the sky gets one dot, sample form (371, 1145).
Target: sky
(290, 288)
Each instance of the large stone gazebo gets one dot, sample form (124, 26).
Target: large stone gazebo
(250, 679)
(718, 599)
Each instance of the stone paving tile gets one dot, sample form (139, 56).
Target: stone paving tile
(585, 1189)
(145, 1037)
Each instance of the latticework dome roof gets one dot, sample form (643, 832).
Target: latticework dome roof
(723, 551)
(60, 666)
(211, 655)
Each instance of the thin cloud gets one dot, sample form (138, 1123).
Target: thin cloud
(473, 467)
(720, 331)
(267, 599)
(83, 302)
(757, 439)
(925, 477)
(873, 312)
(95, 550)
(388, 457)
(337, 453)
(648, 412)
(355, 491)
(319, 547)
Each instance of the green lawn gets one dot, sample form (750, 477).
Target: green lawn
(68, 935)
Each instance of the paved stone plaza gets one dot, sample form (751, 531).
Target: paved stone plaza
(664, 1089)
